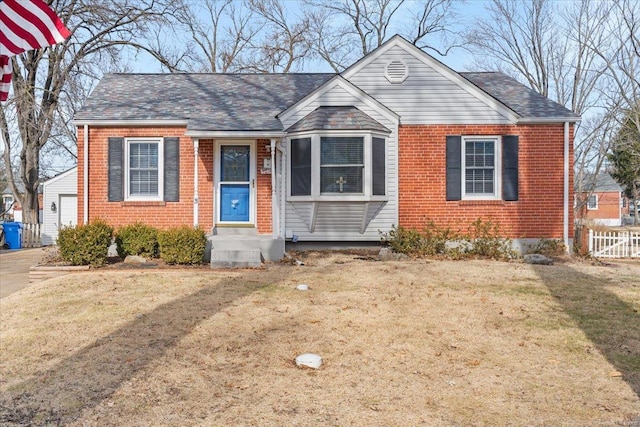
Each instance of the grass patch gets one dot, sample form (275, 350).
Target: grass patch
(403, 343)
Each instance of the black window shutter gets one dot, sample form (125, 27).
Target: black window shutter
(454, 165)
(378, 163)
(116, 169)
(510, 167)
(301, 167)
(172, 169)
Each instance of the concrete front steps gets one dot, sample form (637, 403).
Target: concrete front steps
(243, 248)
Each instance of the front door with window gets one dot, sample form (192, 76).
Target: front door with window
(235, 169)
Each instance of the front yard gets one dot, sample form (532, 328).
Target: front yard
(403, 343)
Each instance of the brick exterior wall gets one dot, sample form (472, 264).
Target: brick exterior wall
(608, 207)
(422, 181)
(263, 183)
(539, 210)
(161, 214)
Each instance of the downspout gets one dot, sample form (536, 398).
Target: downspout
(283, 189)
(85, 175)
(196, 155)
(565, 225)
(275, 219)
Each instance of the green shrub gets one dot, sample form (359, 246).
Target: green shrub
(85, 244)
(482, 240)
(432, 241)
(182, 245)
(548, 247)
(137, 239)
(403, 240)
(485, 241)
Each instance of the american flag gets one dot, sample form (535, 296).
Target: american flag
(25, 25)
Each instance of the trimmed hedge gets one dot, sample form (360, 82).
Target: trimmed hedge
(182, 245)
(137, 239)
(85, 244)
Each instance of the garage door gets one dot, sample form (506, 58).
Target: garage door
(68, 210)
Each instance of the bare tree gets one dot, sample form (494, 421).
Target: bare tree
(433, 18)
(285, 44)
(100, 30)
(220, 33)
(364, 22)
(564, 51)
(344, 31)
(516, 37)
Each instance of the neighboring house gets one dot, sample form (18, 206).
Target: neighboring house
(6, 210)
(398, 138)
(60, 198)
(11, 209)
(602, 200)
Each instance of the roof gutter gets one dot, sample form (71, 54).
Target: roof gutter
(124, 123)
(533, 120)
(234, 134)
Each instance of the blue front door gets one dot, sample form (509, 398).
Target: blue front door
(235, 183)
(234, 202)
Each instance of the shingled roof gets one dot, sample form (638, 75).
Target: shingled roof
(600, 183)
(525, 102)
(226, 102)
(337, 118)
(251, 102)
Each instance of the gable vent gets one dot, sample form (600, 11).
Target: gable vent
(396, 71)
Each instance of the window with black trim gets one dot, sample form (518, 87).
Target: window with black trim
(144, 169)
(482, 167)
(337, 164)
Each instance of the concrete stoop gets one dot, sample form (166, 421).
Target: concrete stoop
(243, 251)
(246, 258)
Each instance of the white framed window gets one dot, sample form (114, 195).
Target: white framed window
(144, 169)
(592, 202)
(339, 165)
(481, 167)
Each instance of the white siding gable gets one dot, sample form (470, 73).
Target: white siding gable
(61, 190)
(345, 220)
(431, 93)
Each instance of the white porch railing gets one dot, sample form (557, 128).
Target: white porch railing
(614, 244)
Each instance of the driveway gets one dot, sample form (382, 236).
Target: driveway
(14, 269)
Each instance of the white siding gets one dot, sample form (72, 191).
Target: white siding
(64, 185)
(426, 96)
(343, 221)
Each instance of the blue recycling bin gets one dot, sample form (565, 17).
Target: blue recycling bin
(13, 234)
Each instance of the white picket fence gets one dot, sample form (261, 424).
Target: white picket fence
(614, 244)
(31, 236)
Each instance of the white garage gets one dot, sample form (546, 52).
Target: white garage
(60, 205)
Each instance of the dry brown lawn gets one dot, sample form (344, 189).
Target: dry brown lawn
(404, 343)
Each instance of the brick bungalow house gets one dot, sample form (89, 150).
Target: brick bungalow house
(603, 201)
(258, 160)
